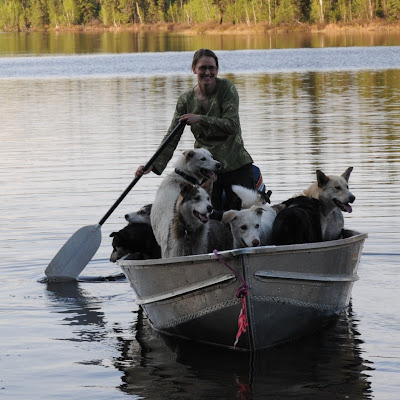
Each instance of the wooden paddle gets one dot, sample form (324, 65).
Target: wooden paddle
(73, 257)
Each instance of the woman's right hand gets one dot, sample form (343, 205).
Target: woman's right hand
(139, 172)
(190, 119)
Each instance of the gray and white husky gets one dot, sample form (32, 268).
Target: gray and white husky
(193, 166)
(188, 234)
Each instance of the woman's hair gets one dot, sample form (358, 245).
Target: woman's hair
(201, 53)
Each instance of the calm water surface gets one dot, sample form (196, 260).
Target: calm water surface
(72, 132)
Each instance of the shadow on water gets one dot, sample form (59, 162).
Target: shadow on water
(327, 365)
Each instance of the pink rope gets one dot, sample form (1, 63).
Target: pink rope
(243, 290)
(241, 293)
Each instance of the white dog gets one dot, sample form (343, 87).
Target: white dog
(245, 226)
(193, 166)
(250, 199)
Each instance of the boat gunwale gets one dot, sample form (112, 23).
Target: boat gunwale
(270, 249)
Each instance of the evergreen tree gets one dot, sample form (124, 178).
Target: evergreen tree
(55, 9)
(288, 11)
(14, 15)
(39, 13)
(88, 10)
(71, 14)
(393, 9)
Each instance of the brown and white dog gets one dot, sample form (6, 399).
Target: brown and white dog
(334, 197)
(193, 166)
(188, 234)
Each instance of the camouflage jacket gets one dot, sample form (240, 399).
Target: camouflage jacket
(221, 135)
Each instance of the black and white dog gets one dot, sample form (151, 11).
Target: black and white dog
(137, 238)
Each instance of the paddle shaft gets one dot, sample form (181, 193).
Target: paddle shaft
(163, 145)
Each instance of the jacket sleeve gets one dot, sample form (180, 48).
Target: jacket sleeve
(161, 162)
(227, 123)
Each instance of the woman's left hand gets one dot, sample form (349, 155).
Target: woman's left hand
(190, 119)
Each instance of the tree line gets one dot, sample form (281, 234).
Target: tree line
(21, 15)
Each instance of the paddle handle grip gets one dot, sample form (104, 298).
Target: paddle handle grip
(163, 145)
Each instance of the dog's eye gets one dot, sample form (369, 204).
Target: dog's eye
(338, 188)
(243, 227)
(197, 198)
(203, 159)
(257, 226)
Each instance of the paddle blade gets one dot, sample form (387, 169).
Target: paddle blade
(76, 253)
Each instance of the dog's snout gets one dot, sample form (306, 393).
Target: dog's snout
(352, 198)
(209, 208)
(255, 243)
(218, 165)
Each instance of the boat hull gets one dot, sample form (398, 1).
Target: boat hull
(294, 290)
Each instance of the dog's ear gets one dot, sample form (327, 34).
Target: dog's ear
(265, 197)
(321, 178)
(146, 209)
(229, 216)
(188, 154)
(278, 207)
(208, 186)
(185, 188)
(112, 234)
(346, 174)
(257, 210)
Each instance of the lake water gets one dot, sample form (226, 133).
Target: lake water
(74, 126)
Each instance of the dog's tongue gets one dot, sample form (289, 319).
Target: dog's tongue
(347, 208)
(212, 176)
(203, 218)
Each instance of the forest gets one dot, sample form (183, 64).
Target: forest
(25, 15)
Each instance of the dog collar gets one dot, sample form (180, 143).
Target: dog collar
(187, 177)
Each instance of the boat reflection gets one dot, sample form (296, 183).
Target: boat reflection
(327, 365)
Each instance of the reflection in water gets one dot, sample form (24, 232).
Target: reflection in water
(327, 365)
(79, 309)
(12, 43)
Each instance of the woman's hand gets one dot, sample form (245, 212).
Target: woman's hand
(139, 172)
(190, 119)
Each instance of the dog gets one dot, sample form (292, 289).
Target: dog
(219, 236)
(245, 226)
(189, 230)
(298, 222)
(140, 217)
(249, 199)
(136, 238)
(193, 166)
(334, 198)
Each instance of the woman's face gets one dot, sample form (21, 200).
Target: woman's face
(206, 70)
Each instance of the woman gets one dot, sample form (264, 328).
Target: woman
(211, 109)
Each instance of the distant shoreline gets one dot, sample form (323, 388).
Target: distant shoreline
(381, 26)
